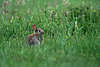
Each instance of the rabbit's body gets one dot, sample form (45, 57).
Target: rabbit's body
(33, 39)
(36, 38)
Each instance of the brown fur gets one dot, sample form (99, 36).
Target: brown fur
(35, 39)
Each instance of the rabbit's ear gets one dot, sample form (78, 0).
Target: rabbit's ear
(34, 27)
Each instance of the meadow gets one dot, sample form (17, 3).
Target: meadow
(72, 33)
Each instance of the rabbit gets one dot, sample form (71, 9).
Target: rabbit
(37, 37)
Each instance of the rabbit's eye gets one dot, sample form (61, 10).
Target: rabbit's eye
(36, 30)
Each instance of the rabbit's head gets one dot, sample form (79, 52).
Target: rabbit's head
(39, 32)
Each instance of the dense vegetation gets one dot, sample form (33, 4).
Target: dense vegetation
(72, 35)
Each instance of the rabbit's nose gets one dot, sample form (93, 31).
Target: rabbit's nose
(42, 32)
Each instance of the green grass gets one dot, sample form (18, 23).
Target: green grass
(71, 39)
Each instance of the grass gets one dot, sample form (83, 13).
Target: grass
(72, 33)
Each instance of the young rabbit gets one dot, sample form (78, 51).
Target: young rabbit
(37, 37)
